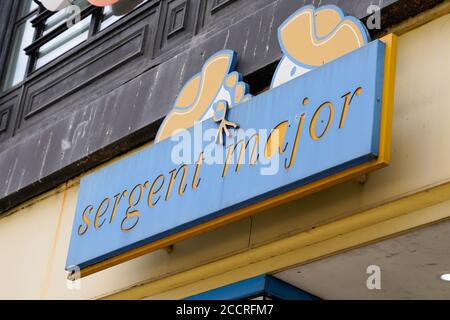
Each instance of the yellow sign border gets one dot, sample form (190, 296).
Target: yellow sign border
(382, 161)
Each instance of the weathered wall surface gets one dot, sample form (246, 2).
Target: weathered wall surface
(34, 240)
(109, 94)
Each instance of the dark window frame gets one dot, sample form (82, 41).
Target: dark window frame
(38, 23)
(15, 22)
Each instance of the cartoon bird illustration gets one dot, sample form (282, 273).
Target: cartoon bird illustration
(309, 38)
(312, 37)
(195, 103)
(220, 113)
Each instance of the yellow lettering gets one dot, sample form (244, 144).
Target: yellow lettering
(117, 198)
(155, 188)
(232, 150)
(296, 141)
(348, 100)
(312, 128)
(130, 213)
(276, 140)
(174, 175)
(196, 180)
(101, 211)
(86, 220)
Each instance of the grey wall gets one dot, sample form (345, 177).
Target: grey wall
(110, 94)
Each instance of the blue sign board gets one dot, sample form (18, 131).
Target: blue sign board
(322, 123)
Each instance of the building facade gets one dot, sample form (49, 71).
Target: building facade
(76, 100)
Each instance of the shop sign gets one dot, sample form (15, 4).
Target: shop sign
(222, 154)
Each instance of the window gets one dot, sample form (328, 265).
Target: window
(109, 18)
(63, 42)
(54, 34)
(41, 36)
(16, 65)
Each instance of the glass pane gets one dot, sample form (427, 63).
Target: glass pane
(27, 7)
(64, 42)
(83, 4)
(18, 60)
(56, 20)
(109, 18)
(60, 17)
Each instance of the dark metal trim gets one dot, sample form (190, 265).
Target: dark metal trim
(218, 5)
(8, 112)
(174, 29)
(6, 41)
(141, 34)
(54, 33)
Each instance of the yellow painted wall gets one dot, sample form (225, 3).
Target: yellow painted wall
(34, 238)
